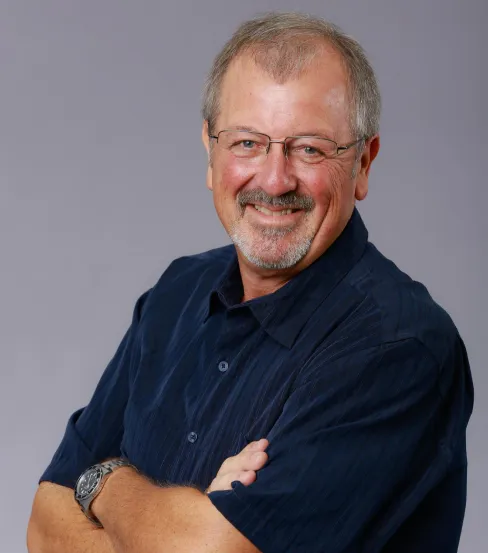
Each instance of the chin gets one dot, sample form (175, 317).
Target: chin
(271, 252)
(268, 263)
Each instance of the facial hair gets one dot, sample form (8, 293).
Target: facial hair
(264, 247)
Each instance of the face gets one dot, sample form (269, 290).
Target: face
(253, 201)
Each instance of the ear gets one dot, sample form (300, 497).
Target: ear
(371, 149)
(206, 143)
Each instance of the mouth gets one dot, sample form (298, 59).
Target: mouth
(274, 216)
(274, 212)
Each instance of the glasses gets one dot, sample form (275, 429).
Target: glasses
(299, 150)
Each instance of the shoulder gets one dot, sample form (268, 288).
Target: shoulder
(190, 276)
(194, 270)
(205, 265)
(386, 331)
(403, 308)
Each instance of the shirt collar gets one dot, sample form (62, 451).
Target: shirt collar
(283, 320)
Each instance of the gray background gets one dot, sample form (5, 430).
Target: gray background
(102, 184)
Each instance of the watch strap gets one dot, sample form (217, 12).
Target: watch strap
(110, 466)
(107, 467)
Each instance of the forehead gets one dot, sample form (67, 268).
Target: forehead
(315, 98)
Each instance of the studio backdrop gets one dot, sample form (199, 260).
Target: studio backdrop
(102, 184)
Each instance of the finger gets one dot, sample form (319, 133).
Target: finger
(246, 460)
(259, 445)
(256, 460)
(224, 482)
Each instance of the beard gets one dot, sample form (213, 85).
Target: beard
(271, 248)
(268, 247)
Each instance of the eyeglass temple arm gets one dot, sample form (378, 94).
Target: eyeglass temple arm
(341, 149)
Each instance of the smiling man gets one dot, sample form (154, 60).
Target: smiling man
(300, 332)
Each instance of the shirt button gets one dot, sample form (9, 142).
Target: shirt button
(223, 366)
(192, 437)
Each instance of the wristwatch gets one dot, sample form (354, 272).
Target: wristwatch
(91, 482)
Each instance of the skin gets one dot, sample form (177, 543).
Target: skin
(314, 103)
(242, 467)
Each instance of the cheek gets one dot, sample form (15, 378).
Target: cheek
(231, 178)
(228, 179)
(324, 186)
(339, 180)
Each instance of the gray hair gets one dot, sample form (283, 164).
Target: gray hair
(284, 45)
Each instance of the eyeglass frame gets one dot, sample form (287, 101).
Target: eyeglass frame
(339, 149)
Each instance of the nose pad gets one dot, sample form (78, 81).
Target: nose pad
(284, 147)
(285, 150)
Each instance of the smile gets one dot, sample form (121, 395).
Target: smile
(274, 213)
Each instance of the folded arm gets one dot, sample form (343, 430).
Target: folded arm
(139, 516)
(58, 525)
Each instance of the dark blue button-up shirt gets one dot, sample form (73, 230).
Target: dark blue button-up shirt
(358, 379)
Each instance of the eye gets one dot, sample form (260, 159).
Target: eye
(247, 144)
(312, 151)
(308, 153)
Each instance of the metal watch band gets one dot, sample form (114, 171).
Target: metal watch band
(107, 468)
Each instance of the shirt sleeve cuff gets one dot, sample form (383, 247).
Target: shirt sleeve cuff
(241, 516)
(71, 458)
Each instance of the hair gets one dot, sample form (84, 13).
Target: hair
(284, 45)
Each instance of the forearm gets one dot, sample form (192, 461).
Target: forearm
(57, 525)
(63, 540)
(139, 516)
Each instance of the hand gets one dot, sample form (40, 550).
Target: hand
(242, 467)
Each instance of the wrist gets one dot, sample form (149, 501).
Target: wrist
(116, 484)
(91, 483)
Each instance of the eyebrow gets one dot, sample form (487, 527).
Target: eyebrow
(315, 132)
(244, 128)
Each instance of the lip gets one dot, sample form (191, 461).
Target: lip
(269, 207)
(275, 220)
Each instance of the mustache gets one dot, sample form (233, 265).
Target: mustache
(290, 200)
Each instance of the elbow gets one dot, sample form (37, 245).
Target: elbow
(39, 528)
(35, 536)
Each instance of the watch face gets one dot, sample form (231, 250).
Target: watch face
(88, 482)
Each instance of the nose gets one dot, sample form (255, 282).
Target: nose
(275, 174)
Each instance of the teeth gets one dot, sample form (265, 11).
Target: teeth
(273, 213)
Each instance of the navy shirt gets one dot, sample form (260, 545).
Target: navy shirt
(358, 379)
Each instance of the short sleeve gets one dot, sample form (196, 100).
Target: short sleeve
(360, 442)
(94, 433)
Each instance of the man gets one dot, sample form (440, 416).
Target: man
(300, 334)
